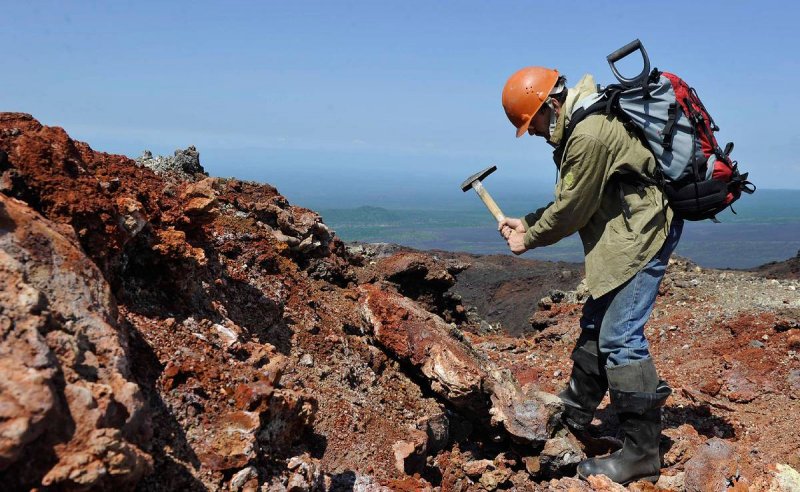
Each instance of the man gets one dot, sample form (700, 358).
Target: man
(628, 234)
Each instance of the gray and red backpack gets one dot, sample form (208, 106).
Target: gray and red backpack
(698, 177)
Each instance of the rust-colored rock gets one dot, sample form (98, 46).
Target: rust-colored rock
(61, 176)
(254, 396)
(409, 452)
(685, 442)
(172, 244)
(601, 483)
(413, 334)
(716, 466)
(231, 442)
(455, 372)
(793, 340)
(476, 468)
(405, 266)
(738, 386)
(560, 456)
(200, 200)
(239, 345)
(421, 277)
(66, 389)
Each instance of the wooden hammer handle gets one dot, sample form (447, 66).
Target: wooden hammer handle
(488, 201)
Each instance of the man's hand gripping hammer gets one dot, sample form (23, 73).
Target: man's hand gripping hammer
(474, 182)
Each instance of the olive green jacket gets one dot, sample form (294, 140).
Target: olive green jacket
(588, 199)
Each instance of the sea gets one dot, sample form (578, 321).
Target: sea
(762, 228)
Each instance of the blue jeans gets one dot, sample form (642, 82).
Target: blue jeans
(621, 314)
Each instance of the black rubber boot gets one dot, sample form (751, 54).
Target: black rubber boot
(637, 396)
(587, 383)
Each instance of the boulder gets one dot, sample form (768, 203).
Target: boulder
(66, 390)
(455, 372)
(716, 465)
(560, 456)
(784, 478)
(185, 162)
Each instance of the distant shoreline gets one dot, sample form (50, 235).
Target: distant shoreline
(732, 245)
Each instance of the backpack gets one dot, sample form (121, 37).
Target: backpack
(698, 177)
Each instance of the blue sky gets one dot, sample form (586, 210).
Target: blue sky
(382, 103)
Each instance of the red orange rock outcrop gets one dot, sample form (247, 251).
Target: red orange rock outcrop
(71, 414)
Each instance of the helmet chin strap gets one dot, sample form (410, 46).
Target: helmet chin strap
(559, 87)
(553, 121)
(553, 116)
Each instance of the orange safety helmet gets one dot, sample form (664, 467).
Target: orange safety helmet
(524, 94)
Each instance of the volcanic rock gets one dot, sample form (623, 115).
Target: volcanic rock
(476, 468)
(784, 478)
(66, 390)
(230, 442)
(409, 453)
(183, 161)
(306, 474)
(455, 373)
(165, 330)
(412, 334)
(560, 456)
(424, 278)
(716, 466)
(245, 478)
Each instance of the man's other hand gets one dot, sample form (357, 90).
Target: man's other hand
(513, 231)
(509, 225)
(516, 242)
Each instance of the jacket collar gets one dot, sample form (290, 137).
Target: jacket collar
(585, 87)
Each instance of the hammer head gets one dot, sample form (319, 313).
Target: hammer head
(477, 177)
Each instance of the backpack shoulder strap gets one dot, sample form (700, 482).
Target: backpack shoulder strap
(604, 102)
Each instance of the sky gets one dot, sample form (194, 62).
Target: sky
(345, 103)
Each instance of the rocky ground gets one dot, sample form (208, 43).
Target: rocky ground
(164, 330)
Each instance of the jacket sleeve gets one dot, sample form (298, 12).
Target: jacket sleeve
(532, 217)
(578, 192)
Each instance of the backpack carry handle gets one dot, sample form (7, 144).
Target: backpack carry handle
(621, 53)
